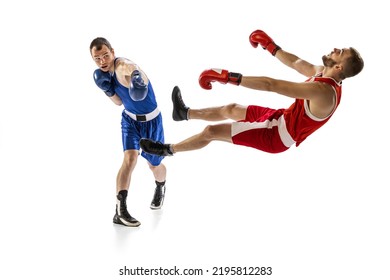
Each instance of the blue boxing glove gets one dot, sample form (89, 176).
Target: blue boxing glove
(104, 81)
(137, 89)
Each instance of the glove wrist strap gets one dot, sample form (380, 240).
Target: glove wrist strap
(235, 78)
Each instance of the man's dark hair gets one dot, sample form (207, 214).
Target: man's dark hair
(99, 42)
(354, 64)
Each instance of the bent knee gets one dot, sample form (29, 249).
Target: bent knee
(228, 109)
(234, 111)
(130, 157)
(157, 168)
(208, 131)
(232, 106)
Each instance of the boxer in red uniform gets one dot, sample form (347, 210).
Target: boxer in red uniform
(266, 129)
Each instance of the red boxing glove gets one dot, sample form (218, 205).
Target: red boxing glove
(218, 75)
(260, 37)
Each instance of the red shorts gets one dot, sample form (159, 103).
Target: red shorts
(263, 129)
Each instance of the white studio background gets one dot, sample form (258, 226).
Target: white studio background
(319, 211)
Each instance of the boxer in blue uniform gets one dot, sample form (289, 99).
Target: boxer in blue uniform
(126, 84)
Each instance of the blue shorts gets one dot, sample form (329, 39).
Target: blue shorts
(133, 131)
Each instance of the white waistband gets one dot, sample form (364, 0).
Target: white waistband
(145, 117)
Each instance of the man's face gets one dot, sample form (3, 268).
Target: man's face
(103, 58)
(335, 57)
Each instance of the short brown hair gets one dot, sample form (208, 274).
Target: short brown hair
(99, 42)
(354, 64)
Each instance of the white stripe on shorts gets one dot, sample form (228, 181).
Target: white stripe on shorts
(287, 140)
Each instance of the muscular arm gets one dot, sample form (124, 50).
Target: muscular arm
(124, 68)
(320, 95)
(301, 66)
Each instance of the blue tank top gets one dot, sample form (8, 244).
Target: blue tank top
(136, 107)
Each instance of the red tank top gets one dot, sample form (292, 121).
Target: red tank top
(300, 122)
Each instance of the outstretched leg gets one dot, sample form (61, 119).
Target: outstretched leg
(182, 112)
(231, 111)
(219, 132)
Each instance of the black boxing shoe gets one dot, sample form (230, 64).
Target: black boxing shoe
(180, 110)
(125, 219)
(158, 197)
(156, 148)
(122, 216)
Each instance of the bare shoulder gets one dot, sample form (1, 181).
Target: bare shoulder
(323, 101)
(124, 66)
(123, 62)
